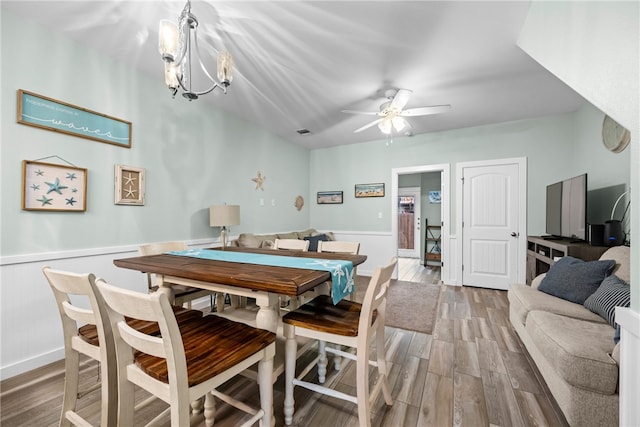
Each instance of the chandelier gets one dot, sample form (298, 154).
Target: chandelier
(178, 45)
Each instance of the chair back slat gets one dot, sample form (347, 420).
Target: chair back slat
(339, 247)
(79, 314)
(158, 248)
(292, 244)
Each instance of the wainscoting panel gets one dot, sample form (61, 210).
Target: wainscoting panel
(629, 321)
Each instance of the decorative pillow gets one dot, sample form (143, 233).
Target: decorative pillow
(292, 235)
(248, 240)
(573, 279)
(267, 244)
(313, 241)
(612, 293)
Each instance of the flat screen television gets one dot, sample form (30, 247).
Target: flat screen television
(567, 208)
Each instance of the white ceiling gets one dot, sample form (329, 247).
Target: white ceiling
(299, 63)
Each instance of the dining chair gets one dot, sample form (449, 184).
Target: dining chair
(82, 287)
(182, 294)
(288, 303)
(347, 324)
(186, 362)
(93, 339)
(291, 244)
(341, 247)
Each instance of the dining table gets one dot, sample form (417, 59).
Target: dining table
(265, 283)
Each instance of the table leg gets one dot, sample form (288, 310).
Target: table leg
(165, 287)
(268, 315)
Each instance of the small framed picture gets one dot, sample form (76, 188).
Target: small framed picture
(434, 196)
(129, 185)
(51, 187)
(369, 190)
(329, 197)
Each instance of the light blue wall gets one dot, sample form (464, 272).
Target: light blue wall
(556, 148)
(194, 155)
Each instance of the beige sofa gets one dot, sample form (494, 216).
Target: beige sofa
(250, 240)
(572, 347)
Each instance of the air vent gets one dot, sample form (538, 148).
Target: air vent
(303, 131)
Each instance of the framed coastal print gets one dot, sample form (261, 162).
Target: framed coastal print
(369, 190)
(52, 187)
(329, 197)
(129, 185)
(434, 196)
(50, 114)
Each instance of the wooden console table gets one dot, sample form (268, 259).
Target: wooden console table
(542, 253)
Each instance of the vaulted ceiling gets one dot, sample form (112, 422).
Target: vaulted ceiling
(299, 63)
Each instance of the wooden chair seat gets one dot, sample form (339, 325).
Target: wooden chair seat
(212, 345)
(89, 333)
(320, 314)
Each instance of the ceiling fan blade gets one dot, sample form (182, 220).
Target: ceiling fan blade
(366, 113)
(425, 111)
(400, 100)
(367, 126)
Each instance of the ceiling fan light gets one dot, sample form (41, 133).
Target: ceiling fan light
(385, 126)
(398, 123)
(167, 40)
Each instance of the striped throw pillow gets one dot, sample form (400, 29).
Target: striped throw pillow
(612, 292)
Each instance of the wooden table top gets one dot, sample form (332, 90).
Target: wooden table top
(280, 280)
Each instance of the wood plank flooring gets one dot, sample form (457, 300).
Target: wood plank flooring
(471, 371)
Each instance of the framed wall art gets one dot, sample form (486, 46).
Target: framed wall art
(48, 113)
(369, 190)
(129, 185)
(52, 187)
(329, 197)
(434, 196)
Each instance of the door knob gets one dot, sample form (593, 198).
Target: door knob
(514, 234)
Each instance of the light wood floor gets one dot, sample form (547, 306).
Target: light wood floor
(470, 372)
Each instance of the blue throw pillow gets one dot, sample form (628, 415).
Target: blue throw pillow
(573, 279)
(313, 241)
(612, 293)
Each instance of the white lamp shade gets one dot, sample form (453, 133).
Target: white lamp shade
(224, 215)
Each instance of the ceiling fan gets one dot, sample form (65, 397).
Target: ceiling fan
(391, 114)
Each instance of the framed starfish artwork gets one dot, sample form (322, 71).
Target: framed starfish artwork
(52, 187)
(129, 185)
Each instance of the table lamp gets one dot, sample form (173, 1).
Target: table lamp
(224, 216)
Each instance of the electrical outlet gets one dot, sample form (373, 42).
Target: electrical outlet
(261, 202)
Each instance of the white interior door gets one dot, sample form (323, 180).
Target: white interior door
(409, 222)
(493, 224)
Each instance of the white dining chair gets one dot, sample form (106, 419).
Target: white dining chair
(291, 244)
(346, 324)
(65, 284)
(187, 362)
(181, 294)
(288, 303)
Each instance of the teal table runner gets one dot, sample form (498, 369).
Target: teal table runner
(341, 271)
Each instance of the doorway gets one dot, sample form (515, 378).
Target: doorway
(399, 178)
(409, 222)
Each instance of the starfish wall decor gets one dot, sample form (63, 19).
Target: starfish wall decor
(259, 180)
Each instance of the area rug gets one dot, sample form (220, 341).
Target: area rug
(411, 306)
